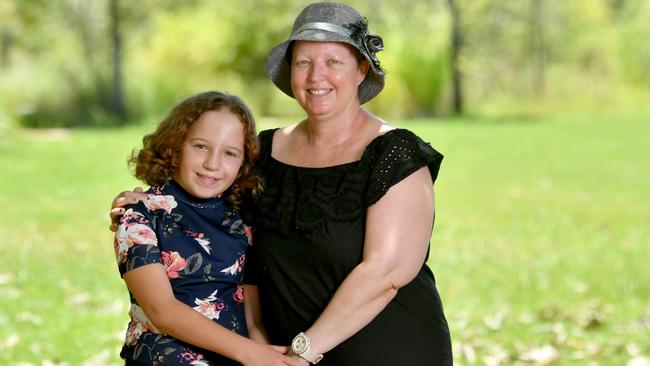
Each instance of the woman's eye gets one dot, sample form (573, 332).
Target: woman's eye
(302, 63)
(334, 61)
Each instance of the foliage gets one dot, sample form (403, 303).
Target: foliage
(56, 61)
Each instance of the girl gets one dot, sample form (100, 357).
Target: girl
(182, 251)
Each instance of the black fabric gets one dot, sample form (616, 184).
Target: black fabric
(309, 235)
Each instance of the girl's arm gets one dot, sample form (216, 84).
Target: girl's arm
(398, 229)
(256, 330)
(151, 288)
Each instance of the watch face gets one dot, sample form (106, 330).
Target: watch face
(299, 344)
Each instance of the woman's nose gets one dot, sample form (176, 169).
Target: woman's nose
(316, 72)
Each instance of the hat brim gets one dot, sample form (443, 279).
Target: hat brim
(278, 67)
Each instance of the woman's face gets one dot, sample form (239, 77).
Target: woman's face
(325, 77)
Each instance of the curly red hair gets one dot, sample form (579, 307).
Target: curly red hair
(156, 163)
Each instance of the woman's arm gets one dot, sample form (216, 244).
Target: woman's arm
(151, 288)
(398, 229)
(252, 310)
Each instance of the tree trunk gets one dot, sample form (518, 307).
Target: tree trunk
(5, 48)
(118, 105)
(456, 44)
(537, 48)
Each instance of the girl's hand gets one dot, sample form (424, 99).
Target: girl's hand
(123, 199)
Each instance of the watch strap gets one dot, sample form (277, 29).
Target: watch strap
(307, 353)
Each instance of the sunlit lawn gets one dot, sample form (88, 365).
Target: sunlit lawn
(540, 250)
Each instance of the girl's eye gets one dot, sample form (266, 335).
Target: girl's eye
(201, 146)
(232, 154)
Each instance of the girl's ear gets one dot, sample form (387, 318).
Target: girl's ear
(175, 157)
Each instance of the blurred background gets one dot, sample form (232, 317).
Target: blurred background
(541, 108)
(70, 63)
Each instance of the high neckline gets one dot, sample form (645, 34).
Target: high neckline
(175, 189)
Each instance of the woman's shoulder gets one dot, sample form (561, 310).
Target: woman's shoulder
(391, 138)
(394, 155)
(280, 131)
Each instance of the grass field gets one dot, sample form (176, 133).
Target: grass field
(540, 250)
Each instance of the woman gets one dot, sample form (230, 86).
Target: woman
(344, 220)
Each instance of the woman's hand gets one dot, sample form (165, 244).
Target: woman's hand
(123, 199)
(267, 355)
(301, 361)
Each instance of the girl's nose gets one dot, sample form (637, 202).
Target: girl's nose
(212, 161)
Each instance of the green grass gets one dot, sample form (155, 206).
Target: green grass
(541, 239)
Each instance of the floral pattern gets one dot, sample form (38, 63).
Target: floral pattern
(236, 267)
(134, 230)
(210, 307)
(173, 263)
(238, 295)
(202, 246)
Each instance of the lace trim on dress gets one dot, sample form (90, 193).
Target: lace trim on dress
(298, 198)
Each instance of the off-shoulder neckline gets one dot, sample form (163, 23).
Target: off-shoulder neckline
(372, 143)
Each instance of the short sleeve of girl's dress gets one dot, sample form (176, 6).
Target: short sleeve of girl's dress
(136, 243)
(393, 157)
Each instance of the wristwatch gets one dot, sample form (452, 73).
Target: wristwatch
(300, 346)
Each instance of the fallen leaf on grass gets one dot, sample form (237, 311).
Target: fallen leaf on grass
(97, 360)
(5, 278)
(469, 353)
(543, 355)
(496, 355)
(493, 322)
(78, 299)
(28, 317)
(592, 321)
(633, 349)
(53, 363)
(9, 342)
(639, 361)
(10, 293)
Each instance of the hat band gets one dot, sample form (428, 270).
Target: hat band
(323, 26)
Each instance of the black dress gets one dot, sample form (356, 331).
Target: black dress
(309, 235)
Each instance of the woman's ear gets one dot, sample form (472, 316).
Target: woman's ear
(364, 66)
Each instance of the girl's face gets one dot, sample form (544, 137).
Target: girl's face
(325, 77)
(211, 154)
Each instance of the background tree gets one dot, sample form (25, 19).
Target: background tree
(117, 107)
(85, 61)
(455, 45)
(537, 47)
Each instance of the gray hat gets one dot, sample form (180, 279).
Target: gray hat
(330, 22)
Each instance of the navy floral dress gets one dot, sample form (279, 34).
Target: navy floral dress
(202, 245)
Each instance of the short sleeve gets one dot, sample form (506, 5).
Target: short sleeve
(395, 156)
(135, 243)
